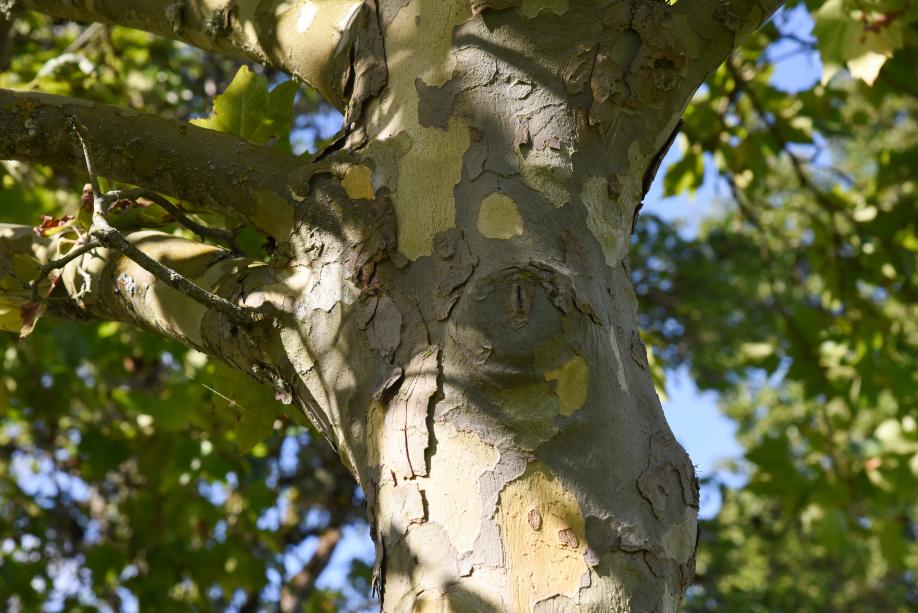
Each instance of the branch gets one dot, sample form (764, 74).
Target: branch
(105, 285)
(314, 42)
(7, 18)
(303, 583)
(103, 232)
(217, 171)
(176, 213)
(60, 263)
(112, 238)
(722, 24)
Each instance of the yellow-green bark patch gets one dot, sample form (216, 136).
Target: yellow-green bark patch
(424, 201)
(419, 44)
(573, 380)
(499, 217)
(358, 184)
(543, 535)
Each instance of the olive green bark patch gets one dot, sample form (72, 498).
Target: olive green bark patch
(573, 379)
(357, 183)
(499, 217)
(529, 411)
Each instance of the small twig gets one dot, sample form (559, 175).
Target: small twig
(85, 36)
(90, 166)
(110, 237)
(60, 263)
(177, 214)
(87, 283)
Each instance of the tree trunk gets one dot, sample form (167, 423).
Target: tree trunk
(451, 303)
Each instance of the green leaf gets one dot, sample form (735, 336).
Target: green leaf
(850, 37)
(249, 110)
(685, 175)
(255, 405)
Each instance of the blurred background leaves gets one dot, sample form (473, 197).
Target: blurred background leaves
(794, 299)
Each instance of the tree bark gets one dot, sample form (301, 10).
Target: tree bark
(459, 321)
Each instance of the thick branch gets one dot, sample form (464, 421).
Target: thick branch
(103, 284)
(114, 239)
(217, 171)
(7, 18)
(723, 24)
(312, 41)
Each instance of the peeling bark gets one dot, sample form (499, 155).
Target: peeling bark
(453, 302)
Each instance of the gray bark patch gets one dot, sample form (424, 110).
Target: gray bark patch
(669, 467)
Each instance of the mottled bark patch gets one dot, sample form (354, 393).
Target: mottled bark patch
(382, 324)
(542, 531)
(429, 162)
(453, 489)
(532, 8)
(409, 408)
(645, 54)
